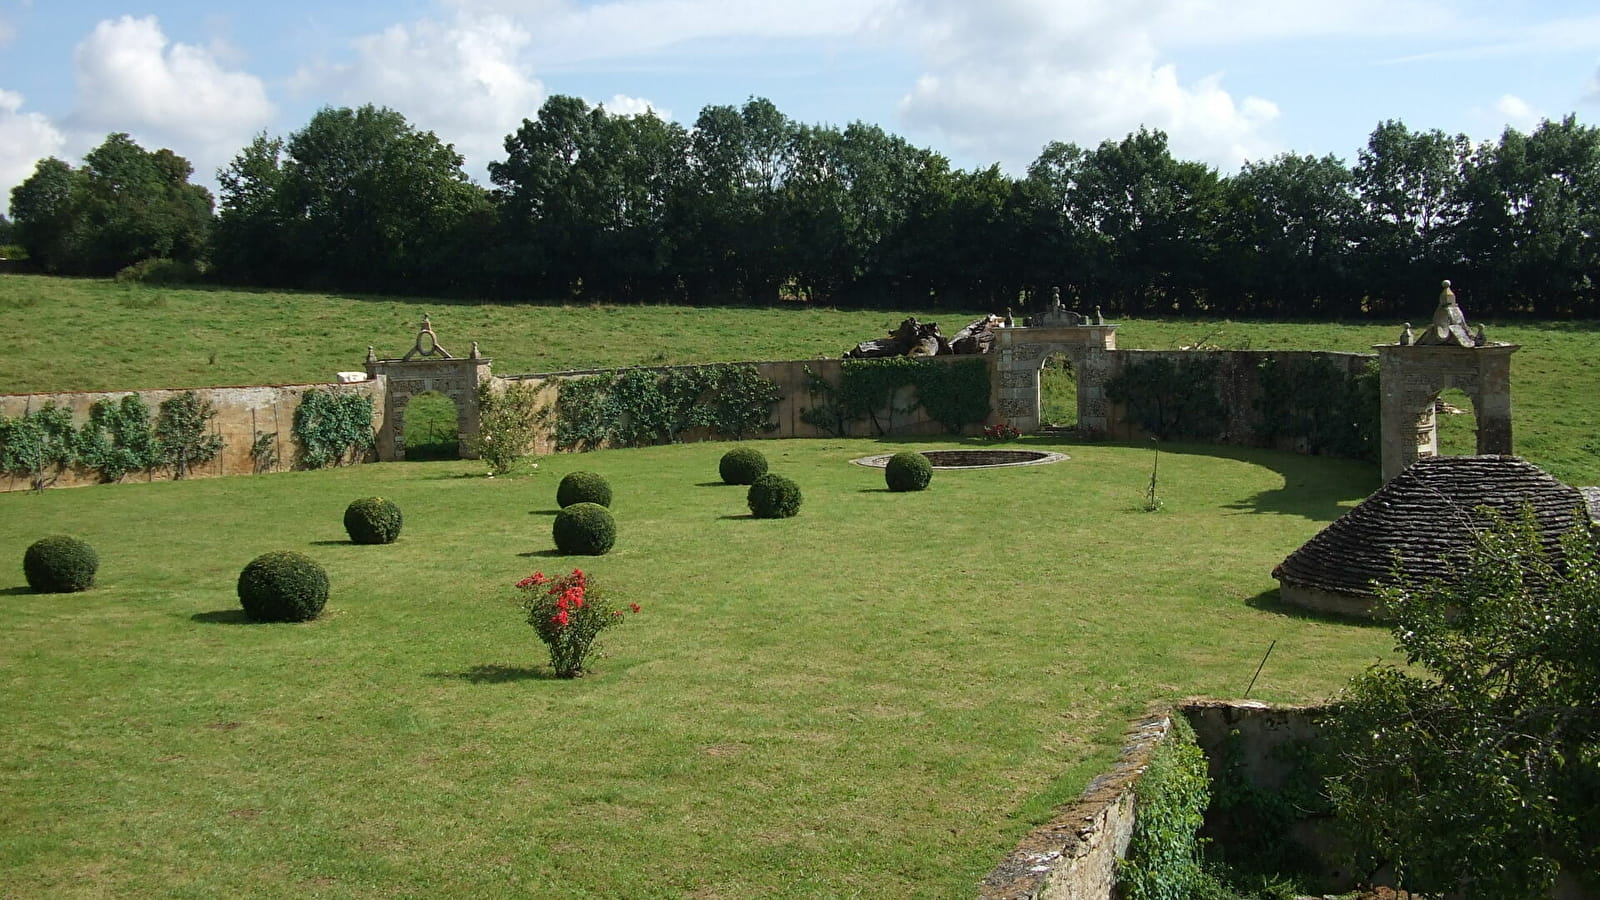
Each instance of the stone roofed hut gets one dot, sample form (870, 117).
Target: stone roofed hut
(1426, 514)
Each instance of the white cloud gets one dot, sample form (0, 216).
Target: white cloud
(131, 78)
(465, 80)
(7, 32)
(25, 138)
(623, 105)
(1004, 78)
(1515, 112)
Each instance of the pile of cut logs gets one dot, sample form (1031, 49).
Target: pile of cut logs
(915, 338)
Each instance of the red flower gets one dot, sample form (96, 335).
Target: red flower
(561, 618)
(561, 603)
(634, 606)
(527, 582)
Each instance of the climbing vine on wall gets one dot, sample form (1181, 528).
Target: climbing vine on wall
(333, 427)
(1318, 407)
(638, 407)
(1164, 858)
(118, 438)
(38, 445)
(182, 438)
(953, 394)
(1172, 400)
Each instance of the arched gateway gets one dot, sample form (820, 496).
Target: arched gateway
(427, 367)
(1019, 354)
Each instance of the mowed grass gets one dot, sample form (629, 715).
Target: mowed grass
(873, 699)
(89, 334)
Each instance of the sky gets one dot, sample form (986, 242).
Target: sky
(984, 83)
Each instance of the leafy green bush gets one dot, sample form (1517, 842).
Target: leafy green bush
(773, 496)
(333, 427)
(372, 520)
(1163, 861)
(160, 270)
(38, 445)
(583, 487)
(182, 440)
(60, 564)
(638, 407)
(585, 529)
(908, 471)
(118, 438)
(507, 425)
(283, 586)
(742, 465)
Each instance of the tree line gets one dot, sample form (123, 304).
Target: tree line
(749, 206)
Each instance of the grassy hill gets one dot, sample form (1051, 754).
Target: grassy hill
(86, 334)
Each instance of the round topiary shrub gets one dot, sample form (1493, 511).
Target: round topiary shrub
(773, 496)
(372, 520)
(60, 564)
(283, 586)
(742, 465)
(585, 529)
(583, 487)
(908, 471)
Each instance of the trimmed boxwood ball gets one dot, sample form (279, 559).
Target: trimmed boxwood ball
(60, 564)
(773, 496)
(585, 529)
(583, 487)
(283, 586)
(742, 465)
(908, 471)
(372, 520)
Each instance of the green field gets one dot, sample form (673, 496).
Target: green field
(876, 698)
(90, 334)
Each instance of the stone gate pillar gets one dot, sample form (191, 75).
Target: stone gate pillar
(428, 367)
(1446, 354)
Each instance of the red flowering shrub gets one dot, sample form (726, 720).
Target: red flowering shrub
(1001, 431)
(569, 614)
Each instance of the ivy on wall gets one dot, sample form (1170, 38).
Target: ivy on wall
(1172, 399)
(638, 407)
(953, 394)
(333, 427)
(1164, 859)
(1319, 408)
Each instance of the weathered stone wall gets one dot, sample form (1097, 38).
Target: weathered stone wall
(793, 383)
(1074, 855)
(242, 414)
(1238, 383)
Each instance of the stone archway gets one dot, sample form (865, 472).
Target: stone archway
(1019, 354)
(1418, 367)
(428, 367)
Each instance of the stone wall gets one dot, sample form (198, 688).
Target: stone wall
(1074, 855)
(242, 414)
(1238, 384)
(793, 382)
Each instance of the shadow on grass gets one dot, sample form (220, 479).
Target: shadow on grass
(1272, 602)
(344, 543)
(544, 512)
(539, 553)
(1306, 491)
(495, 673)
(882, 490)
(737, 518)
(14, 591)
(718, 484)
(223, 617)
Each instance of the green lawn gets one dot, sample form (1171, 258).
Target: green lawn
(875, 698)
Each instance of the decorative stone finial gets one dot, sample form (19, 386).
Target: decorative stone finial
(1449, 326)
(1098, 318)
(372, 355)
(1406, 337)
(475, 354)
(427, 343)
(1477, 336)
(1055, 298)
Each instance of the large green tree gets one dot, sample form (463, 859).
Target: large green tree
(1477, 769)
(359, 199)
(124, 205)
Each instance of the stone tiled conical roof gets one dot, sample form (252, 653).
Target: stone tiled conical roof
(1427, 514)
